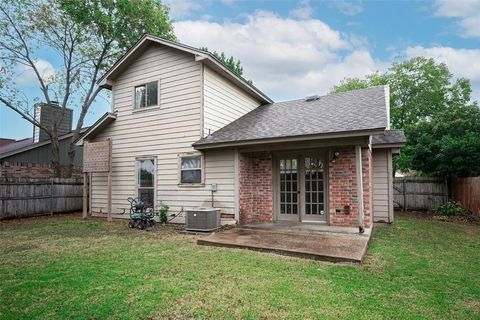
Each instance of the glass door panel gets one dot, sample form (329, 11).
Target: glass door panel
(314, 189)
(288, 204)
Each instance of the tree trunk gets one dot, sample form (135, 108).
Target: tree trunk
(57, 170)
(71, 155)
(76, 134)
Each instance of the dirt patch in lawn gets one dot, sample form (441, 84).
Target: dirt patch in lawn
(428, 215)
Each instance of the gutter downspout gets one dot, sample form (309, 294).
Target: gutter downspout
(358, 167)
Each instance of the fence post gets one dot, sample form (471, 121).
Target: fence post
(404, 194)
(85, 195)
(51, 196)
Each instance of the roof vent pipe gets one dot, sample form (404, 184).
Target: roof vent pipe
(312, 98)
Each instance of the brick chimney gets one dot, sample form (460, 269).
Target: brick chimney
(47, 115)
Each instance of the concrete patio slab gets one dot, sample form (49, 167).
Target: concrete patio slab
(336, 247)
(302, 227)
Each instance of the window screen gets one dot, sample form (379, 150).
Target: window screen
(146, 95)
(191, 169)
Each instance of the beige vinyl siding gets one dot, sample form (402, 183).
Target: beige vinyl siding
(382, 185)
(223, 101)
(162, 133)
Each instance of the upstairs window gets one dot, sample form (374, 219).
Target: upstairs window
(146, 95)
(191, 169)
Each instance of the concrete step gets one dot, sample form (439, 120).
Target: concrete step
(227, 221)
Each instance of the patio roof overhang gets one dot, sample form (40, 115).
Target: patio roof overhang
(361, 137)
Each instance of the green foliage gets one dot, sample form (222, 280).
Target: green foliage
(162, 212)
(451, 208)
(448, 145)
(434, 110)
(119, 23)
(230, 63)
(349, 84)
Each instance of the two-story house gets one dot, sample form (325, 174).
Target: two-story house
(183, 124)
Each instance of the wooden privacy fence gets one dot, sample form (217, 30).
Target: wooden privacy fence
(420, 193)
(467, 192)
(25, 197)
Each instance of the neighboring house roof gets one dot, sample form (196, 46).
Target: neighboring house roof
(27, 144)
(5, 141)
(340, 114)
(200, 55)
(390, 138)
(98, 126)
(15, 145)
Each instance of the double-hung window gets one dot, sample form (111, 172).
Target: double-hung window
(146, 95)
(190, 169)
(146, 181)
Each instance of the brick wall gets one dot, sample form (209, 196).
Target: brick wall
(31, 170)
(343, 188)
(256, 188)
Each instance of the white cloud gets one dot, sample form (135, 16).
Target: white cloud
(348, 8)
(228, 2)
(286, 58)
(26, 76)
(304, 11)
(182, 8)
(461, 62)
(466, 11)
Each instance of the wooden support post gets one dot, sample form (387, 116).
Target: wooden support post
(85, 195)
(51, 196)
(359, 171)
(97, 157)
(109, 179)
(109, 196)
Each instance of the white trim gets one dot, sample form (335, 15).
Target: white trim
(236, 185)
(320, 136)
(199, 56)
(144, 83)
(112, 100)
(137, 183)
(202, 102)
(387, 104)
(91, 129)
(387, 145)
(202, 169)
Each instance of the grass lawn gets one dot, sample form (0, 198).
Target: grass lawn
(66, 268)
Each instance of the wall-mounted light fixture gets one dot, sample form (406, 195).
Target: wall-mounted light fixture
(336, 154)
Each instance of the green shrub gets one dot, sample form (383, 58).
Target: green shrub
(162, 212)
(451, 208)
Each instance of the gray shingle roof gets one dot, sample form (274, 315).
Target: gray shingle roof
(390, 137)
(355, 110)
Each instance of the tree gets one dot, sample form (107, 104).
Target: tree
(447, 146)
(435, 112)
(419, 89)
(86, 36)
(349, 84)
(230, 63)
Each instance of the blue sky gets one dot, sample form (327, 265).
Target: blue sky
(291, 49)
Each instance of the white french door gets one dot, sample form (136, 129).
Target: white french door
(300, 188)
